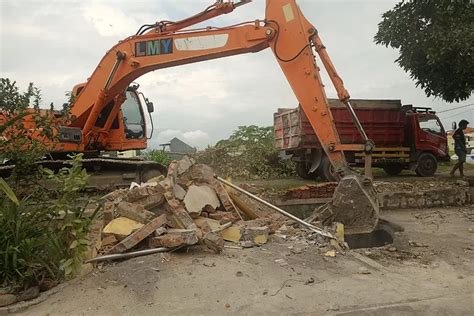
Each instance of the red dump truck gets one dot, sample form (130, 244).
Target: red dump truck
(406, 137)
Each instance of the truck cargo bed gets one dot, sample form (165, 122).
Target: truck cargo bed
(383, 120)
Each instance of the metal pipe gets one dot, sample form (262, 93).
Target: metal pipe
(311, 227)
(356, 121)
(129, 254)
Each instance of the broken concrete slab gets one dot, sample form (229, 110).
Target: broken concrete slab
(184, 164)
(121, 227)
(145, 231)
(179, 192)
(224, 217)
(189, 235)
(207, 224)
(175, 238)
(257, 235)
(181, 215)
(198, 197)
(233, 233)
(214, 242)
(151, 197)
(116, 196)
(198, 173)
(160, 231)
(246, 208)
(109, 240)
(209, 209)
(135, 211)
(223, 196)
(137, 194)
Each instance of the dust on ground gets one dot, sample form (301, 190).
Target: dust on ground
(284, 277)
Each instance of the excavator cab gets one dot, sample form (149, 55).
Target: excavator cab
(133, 116)
(128, 130)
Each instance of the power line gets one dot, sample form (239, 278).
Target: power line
(459, 107)
(467, 111)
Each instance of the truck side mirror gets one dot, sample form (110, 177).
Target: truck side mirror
(149, 106)
(454, 126)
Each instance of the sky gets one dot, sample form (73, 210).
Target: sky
(58, 43)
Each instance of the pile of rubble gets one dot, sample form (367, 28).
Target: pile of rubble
(187, 207)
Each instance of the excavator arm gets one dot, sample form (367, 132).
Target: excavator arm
(293, 41)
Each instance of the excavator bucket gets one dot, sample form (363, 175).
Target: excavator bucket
(354, 204)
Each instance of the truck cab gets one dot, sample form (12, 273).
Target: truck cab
(428, 139)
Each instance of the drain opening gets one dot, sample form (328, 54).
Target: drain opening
(377, 238)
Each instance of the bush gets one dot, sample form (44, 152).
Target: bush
(248, 153)
(44, 233)
(159, 156)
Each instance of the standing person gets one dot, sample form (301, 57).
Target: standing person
(460, 147)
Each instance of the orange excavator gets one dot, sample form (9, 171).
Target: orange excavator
(107, 114)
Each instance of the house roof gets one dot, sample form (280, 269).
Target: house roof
(469, 130)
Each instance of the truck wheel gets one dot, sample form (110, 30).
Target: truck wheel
(302, 169)
(393, 169)
(326, 170)
(426, 165)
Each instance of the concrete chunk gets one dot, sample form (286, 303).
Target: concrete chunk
(197, 173)
(207, 224)
(160, 231)
(223, 195)
(135, 211)
(137, 194)
(198, 197)
(214, 242)
(182, 217)
(179, 192)
(109, 240)
(257, 235)
(184, 164)
(175, 238)
(132, 240)
(121, 227)
(233, 233)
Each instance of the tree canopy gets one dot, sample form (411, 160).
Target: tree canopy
(435, 39)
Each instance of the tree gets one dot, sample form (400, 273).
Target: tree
(435, 39)
(248, 153)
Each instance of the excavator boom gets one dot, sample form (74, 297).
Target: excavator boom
(96, 113)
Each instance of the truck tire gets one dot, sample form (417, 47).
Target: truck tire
(302, 170)
(393, 169)
(326, 170)
(426, 165)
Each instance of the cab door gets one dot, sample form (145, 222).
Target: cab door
(431, 136)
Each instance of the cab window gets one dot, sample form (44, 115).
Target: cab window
(132, 117)
(431, 125)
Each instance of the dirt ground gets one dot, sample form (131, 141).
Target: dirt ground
(435, 278)
(441, 176)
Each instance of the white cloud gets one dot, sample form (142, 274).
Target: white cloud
(109, 20)
(195, 138)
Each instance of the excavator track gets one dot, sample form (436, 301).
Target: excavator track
(106, 173)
